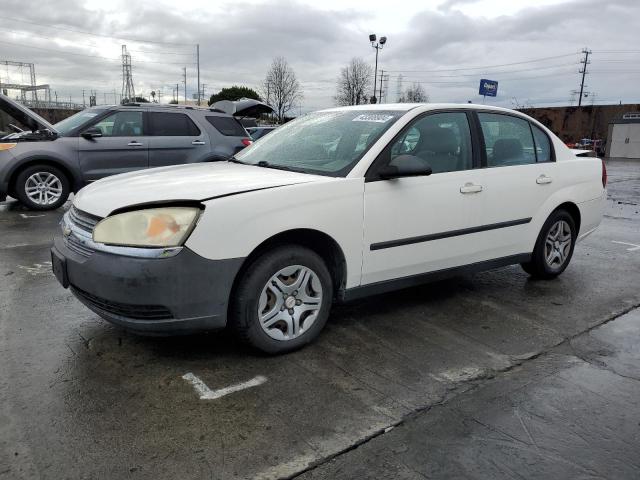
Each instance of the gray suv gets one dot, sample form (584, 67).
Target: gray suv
(40, 163)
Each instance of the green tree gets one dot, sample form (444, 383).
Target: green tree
(234, 93)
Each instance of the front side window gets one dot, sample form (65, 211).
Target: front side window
(162, 124)
(325, 143)
(441, 140)
(121, 124)
(507, 139)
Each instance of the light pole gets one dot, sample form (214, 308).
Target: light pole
(378, 46)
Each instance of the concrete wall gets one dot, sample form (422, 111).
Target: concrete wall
(573, 123)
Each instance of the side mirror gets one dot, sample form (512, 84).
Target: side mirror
(92, 132)
(405, 166)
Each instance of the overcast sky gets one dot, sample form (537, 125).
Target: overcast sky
(531, 47)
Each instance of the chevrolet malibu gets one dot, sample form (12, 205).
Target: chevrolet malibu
(333, 206)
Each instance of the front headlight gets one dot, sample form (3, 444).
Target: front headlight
(154, 227)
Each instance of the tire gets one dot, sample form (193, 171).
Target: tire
(42, 187)
(554, 246)
(269, 287)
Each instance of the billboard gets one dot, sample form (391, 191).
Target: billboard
(488, 88)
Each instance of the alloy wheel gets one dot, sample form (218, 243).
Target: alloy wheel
(290, 302)
(43, 188)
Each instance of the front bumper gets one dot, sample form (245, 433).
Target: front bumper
(185, 293)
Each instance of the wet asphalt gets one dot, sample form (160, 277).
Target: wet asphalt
(492, 375)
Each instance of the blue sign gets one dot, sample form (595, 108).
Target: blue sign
(488, 87)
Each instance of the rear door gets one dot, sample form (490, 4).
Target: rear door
(415, 225)
(123, 147)
(519, 177)
(175, 139)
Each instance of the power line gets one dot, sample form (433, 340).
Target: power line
(564, 65)
(486, 66)
(61, 52)
(84, 32)
(92, 45)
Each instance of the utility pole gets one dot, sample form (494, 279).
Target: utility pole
(84, 104)
(198, 64)
(184, 71)
(381, 80)
(585, 61)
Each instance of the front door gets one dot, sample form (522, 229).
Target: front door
(175, 139)
(416, 225)
(121, 148)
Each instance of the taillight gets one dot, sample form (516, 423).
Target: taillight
(604, 175)
(246, 142)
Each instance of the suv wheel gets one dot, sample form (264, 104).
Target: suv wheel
(282, 301)
(554, 247)
(42, 187)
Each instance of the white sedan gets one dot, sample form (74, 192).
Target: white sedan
(333, 206)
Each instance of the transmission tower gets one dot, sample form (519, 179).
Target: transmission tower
(399, 88)
(585, 61)
(128, 91)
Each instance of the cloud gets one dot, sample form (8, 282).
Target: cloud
(237, 42)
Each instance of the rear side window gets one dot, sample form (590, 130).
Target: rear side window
(543, 145)
(227, 126)
(162, 124)
(508, 140)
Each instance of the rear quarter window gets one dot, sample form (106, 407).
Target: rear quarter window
(227, 126)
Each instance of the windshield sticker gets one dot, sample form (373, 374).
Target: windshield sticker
(373, 117)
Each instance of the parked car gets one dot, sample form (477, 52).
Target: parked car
(43, 164)
(332, 206)
(259, 132)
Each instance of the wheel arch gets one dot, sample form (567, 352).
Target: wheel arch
(574, 211)
(321, 243)
(74, 179)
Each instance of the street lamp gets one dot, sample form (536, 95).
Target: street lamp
(378, 46)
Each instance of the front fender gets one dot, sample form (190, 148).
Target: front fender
(235, 225)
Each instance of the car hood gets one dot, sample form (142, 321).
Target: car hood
(196, 182)
(25, 116)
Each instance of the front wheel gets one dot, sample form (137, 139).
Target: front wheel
(42, 187)
(283, 299)
(554, 246)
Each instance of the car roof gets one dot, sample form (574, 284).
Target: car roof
(410, 106)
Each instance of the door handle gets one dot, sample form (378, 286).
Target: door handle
(470, 188)
(543, 179)
(134, 144)
(198, 142)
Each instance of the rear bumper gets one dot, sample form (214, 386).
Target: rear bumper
(182, 294)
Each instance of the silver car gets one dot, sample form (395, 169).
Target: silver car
(41, 164)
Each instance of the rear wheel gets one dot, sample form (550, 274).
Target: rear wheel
(283, 299)
(554, 246)
(42, 187)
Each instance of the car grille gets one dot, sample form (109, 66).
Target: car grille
(83, 220)
(138, 312)
(82, 225)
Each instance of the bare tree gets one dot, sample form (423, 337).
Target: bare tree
(281, 88)
(353, 83)
(414, 94)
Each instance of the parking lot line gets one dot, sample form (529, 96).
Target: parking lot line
(206, 393)
(633, 246)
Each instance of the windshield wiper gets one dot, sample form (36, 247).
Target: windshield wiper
(265, 164)
(235, 160)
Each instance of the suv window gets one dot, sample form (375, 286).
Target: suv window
(164, 124)
(543, 145)
(227, 126)
(507, 139)
(121, 124)
(443, 140)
